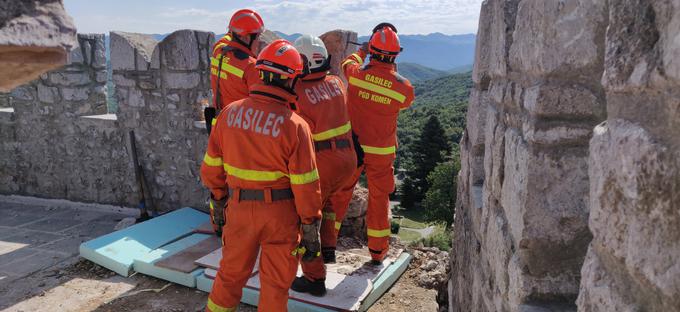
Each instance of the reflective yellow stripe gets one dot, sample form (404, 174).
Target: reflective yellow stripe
(379, 150)
(377, 89)
(227, 67)
(218, 46)
(305, 177)
(347, 62)
(322, 136)
(328, 215)
(338, 225)
(214, 121)
(213, 71)
(378, 233)
(253, 175)
(212, 161)
(217, 308)
(358, 58)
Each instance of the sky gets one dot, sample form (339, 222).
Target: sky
(293, 16)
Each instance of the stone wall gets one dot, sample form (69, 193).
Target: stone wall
(546, 73)
(58, 141)
(633, 263)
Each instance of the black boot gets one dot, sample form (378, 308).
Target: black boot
(316, 288)
(328, 255)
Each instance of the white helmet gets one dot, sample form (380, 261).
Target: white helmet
(314, 49)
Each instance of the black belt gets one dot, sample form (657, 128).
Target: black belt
(328, 144)
(261, 195)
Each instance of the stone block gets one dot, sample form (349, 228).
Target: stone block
(180, 50)
(336, 44)
(493, 39)
(559, 37)
(76, 94)
(69, 79)
(35, 36)
(24, 93)
(181, 80)
(633, 216)
(76, 56)
(554, 101)
(121, 81)
(130, 49)
(101, 76)
(47, 94)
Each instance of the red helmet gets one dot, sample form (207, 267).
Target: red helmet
(385, 41)
(246, 22)
(282, 58)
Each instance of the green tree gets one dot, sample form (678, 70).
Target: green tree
(430, 150)
(407, 194)
(441, 196)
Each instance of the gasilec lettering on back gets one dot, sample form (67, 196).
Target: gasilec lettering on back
(253, 120)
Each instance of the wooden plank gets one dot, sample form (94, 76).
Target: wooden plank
(386, 280)
(147, 263)
(184, 261)
(205, 228)
(212, 261)
(118, 250)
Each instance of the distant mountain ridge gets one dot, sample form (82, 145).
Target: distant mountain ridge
(448, 53)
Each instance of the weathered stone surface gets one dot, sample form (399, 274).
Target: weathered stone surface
(130, 50)
(35, 36)
(180, 50)
(337, 44)
(559, 38)
(559, 218)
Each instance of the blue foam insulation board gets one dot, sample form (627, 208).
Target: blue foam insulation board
(146, 264)
(118, 250)
(381, 284)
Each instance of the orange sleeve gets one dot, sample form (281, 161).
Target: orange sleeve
(251, 75)
(304, 176)
(410, 95)
(352, 64)
(213, 175)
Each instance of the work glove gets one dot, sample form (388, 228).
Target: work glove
(310, 245)
(217, 216)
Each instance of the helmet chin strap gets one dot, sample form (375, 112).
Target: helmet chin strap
(326, 66)
(237, 38)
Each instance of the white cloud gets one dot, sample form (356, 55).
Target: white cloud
(317, 17)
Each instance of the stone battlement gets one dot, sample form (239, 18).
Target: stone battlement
(60, 141)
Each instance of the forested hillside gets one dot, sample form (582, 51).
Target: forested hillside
(446, 98)
(416, 72)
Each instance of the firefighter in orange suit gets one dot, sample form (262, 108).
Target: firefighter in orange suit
(233, 61)
(261, 159)
(376, 94)
(322, 103)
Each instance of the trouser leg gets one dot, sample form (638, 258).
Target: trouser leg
(380, 175)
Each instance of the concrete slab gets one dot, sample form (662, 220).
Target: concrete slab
(14, 218)
(41, 260)
(14, 251)
(69, 245)
(52, 224)
(90, 229)
(6, 231)
(34, 238)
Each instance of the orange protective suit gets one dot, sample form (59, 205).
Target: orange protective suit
(322, 103)
(376, 94)
(238, 71)
(259, 146)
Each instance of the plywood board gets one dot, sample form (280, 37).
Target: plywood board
(147, 263)
(212, 261)
(184, 261)
(345, 293)
(118, 250)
